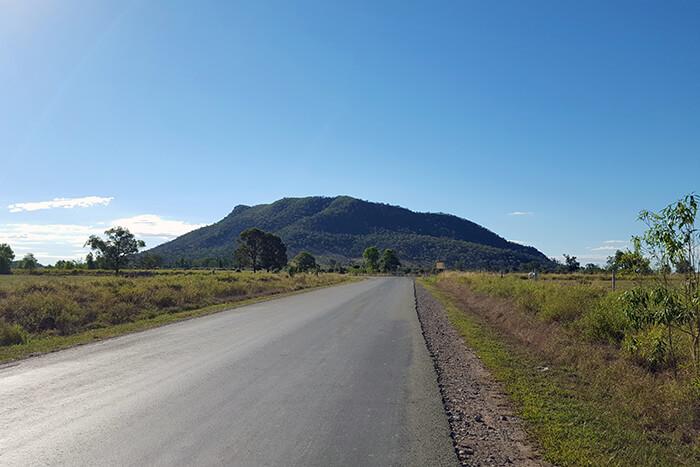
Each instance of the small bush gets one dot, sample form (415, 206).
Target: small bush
(164, 298)
(39, 311)
(121, 313)
(605, 322)
(11, 334)
(568, 303)
(530, 300)
(648, 348)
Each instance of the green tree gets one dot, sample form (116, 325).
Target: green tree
(333, 265)
(250, 249)
(671, 239)
(150, 261)
(572, 264)
(116, 249)
(683, 266)
(6, 257)
(630, 261)
(274, 253)
(389, 261)
(90, 261)
(304, 262)
(259, 249)
(29, 263)
(592, 268)
(241, 257)
(183, 263)
(371, 257)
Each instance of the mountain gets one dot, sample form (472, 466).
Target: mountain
(342, 227)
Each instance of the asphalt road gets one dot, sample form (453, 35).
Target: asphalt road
(338, 376)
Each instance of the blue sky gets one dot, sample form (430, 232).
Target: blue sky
(165, 115)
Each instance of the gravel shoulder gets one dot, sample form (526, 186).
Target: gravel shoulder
(483, 428)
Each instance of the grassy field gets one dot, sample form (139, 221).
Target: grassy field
(560, 346)
(45, 313)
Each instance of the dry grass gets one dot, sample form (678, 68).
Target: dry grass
(40, 313)
(556, 324)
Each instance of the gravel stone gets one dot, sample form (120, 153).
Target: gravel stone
(483, 427)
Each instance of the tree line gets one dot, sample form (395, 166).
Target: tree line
(624, 261)
(255, 249)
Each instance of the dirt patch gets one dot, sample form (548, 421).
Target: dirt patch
(483, 427)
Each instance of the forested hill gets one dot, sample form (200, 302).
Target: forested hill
(342, 227)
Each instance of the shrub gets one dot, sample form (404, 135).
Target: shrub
(530, 299)
(11, 334)
(606, 322)
(567, 303)
(40, 311)
(121, 313)
(66, 305)
(648, 348)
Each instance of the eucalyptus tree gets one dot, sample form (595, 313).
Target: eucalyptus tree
(6, 257)
(371, 257)
(671, 240)
(29, 263)
(117, 248)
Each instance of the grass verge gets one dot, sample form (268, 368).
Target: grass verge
(573, 424)
(51, 343)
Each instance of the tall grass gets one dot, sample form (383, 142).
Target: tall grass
(580, 329)
(590, 310)
(33, 306)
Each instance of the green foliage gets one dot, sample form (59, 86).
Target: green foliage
(672, 236)
(250, 248)
(574, 420)
(605, 322)
(6, 257)
(591, 268)
(259, 249)
(146, 261)
(631, 261)
(304, 262)
(548, 300)
(371, 257)
(11, 334)
(389, 261)
(343, 227)
(68, 264)
(335, 266)
(572, 264)
(274, 253)
(672, 239)
(29, 262)
(90, 261)
(116, 249)
(566, 304)
(648, 347)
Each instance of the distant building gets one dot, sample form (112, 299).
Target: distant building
(440, 266)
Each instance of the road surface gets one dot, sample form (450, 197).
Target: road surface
(338, 376)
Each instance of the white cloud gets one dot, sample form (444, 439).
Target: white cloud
(592, 258)
(611, 245)
(151, 225)
(42, 234)
(607, 248)
(66, 241)
(65, 203)
(521, 213)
